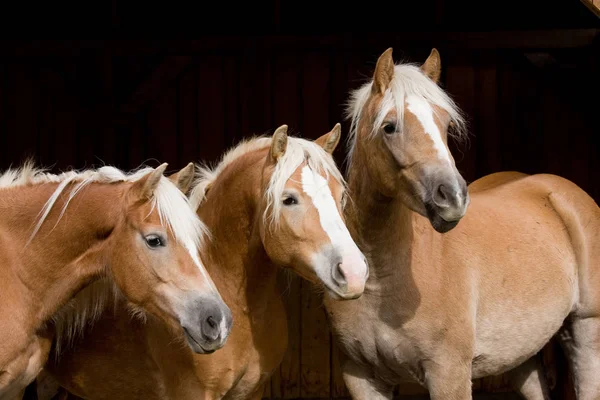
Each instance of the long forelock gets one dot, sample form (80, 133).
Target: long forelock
(298, 151)
(176, 213)
(408, 80)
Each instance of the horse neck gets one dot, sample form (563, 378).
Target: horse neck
(235, 256)
(382, 225)
(64, 256)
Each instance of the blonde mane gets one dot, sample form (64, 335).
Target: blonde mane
(171, 204)
(298, 151)
(408, 80)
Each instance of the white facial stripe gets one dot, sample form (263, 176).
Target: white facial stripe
(424, 113)
(191, 248)
(317, 188)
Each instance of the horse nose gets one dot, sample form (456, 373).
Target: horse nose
(450, 196)
(215, 323)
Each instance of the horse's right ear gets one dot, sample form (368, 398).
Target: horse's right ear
(278, 143)
(330, 140)
(184, 178)
(144, 187)
(384, 72)
(432, 67)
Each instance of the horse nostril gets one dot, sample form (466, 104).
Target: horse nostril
(338, 275)
(441, 194)
(211, 322)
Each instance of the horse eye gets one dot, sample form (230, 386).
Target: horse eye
(389, 128)
(154, 241)
(288, 201)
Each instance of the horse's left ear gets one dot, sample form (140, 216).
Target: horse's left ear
(330, 140)
(144, 187)
(432, 67)
(279, 143)
(184, 178)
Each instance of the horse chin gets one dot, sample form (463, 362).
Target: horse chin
(441, 225)
(338, 297)
(437, 222)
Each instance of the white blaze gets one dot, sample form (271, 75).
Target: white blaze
(424, 113)
(317, 188)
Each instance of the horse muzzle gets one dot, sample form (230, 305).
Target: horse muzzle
(207, 325)
(447, 203)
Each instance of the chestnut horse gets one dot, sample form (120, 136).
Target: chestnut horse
(137, 230)
(462, 285)
(271, 202)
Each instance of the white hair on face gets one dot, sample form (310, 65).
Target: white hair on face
(298, 151)
(409, 80)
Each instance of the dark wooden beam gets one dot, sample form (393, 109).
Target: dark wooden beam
(529, 40)
(168, 70)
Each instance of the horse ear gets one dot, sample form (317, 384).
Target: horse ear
(279, 143)
(384, 72)
(432, 67)
(184, 178)
(144, 188)
(330, 140)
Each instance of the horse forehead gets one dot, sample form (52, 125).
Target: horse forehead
(430, 122)
(146, 213)
(417, 108)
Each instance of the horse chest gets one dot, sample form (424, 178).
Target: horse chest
(390, 352)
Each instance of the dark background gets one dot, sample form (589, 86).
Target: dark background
(149, 82)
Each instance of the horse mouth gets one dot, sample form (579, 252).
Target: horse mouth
(194, 343)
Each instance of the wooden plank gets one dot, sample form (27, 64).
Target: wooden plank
(112, 144)
(22, 107)
(92, 113)
(46, 138)
(315, 349)
(211, 110)
(487, 121)
(528, 114)
(231, 81)
(256, 94)
(137, 142)
(460, 84)
(163, 76)
(507, 113)
(162, 131)
(507, 39)
(285, 383)
(339, 94)
(188, 137)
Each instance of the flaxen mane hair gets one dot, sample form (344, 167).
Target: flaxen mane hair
(298, 151)
(408, 80)
(171, 204)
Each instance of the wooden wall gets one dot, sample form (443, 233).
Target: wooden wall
(526, 103)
